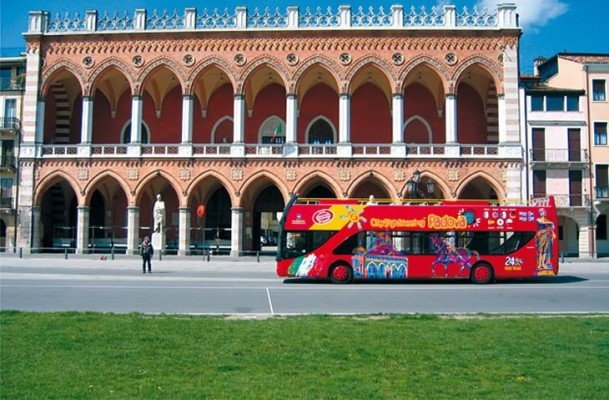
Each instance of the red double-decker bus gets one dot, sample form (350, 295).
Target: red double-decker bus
(347, 239)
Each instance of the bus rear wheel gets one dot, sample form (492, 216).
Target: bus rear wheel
(341, 273)
(482, 274)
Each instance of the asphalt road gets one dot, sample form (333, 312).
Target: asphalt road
(244, 286)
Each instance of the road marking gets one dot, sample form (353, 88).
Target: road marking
(268, 295)
(312, 288)
(153, 278)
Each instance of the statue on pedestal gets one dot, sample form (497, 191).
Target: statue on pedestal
(158, 212)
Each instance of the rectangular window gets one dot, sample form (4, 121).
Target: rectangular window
(555, 103)
(600, 134)
(598, 90)
(601, 227)
(536, 103)
(7, 158)
(539, 182)
(6, 192)
(572, 103)
(602, 181)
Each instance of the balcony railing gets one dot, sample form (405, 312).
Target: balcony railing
(559, 155)
(343, 150)
(10, 123)
(571, 200)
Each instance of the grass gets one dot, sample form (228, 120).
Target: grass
(107, 356)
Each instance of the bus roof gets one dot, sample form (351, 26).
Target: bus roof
(427, 215)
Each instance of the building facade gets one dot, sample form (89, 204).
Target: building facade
(226, 114)
(12, 78)
(566, 125)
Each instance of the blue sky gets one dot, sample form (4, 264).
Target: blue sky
(549, 26)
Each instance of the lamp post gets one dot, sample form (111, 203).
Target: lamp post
(414, 187)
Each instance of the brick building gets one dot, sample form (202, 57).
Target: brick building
(226, 114)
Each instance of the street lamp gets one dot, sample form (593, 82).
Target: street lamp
(414, 186)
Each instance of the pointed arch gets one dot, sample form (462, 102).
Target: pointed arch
(321, 63)
(374, 177)
(424, 122)
(441, 186)
(109, 174)
(315, 178)
(261, 62)
(493, 183)
(55, 177)
(370, 60)
(485, 64)
(249, 184)
(102, 69)
(206, 64)
(199, 179)
(326, 120)
(51, 74)
(160, 62)
(217, 124)
(138, 191)
(425, 61)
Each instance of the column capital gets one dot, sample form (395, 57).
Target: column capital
(344, 95)
(187, 96)
(136, 97)
(398, 95)
(87, 98)
(450, 95)
(83, 208)
(239, 96)
(184, 209)
(133, 208)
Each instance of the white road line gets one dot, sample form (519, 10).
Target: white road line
(268, 295)
(313, 288)
(155, 278)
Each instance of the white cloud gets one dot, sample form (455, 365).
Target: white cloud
(532, 12)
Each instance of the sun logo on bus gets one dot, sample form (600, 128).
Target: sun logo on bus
(354, 216)
(470, 217)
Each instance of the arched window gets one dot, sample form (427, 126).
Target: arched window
(272, 131)
(321, 131)
(126, 134)
(417, 130)
(222, 132)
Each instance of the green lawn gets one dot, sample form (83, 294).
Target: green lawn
(107, 356)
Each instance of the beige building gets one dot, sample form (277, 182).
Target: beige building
(12, 78)
(567, 115)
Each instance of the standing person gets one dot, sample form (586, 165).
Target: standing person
(146, 252)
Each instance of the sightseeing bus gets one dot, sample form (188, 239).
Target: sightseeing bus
(349, 239)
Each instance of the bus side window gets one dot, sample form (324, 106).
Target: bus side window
(347, 247)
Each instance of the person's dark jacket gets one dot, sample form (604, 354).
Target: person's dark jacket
(146, 250)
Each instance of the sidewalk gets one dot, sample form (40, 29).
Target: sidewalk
(263, 263)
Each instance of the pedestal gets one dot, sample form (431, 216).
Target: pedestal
(158, 242)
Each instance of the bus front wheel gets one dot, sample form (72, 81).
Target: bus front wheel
(482, 273)
(341, 273)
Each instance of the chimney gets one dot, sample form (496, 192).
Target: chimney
(536, 63)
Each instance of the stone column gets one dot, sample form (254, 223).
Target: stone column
(237, 225)
(238, 118)
(451, 118)
(585, 245)
(36, 229)
(184, 236)
(86, 131)
(398, 117)
(137, 105)
(82, 230)
(187, 107)
(344, 118)
(291, 118)
(133, 230)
